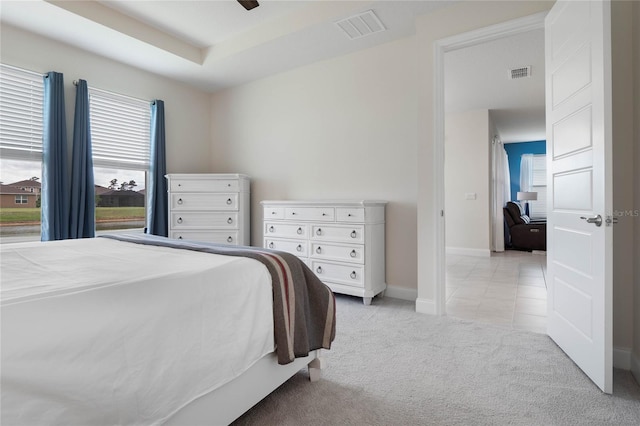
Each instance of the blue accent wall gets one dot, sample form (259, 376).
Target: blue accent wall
(515, 152)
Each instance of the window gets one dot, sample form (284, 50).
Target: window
(21, 112)
(120, 134)
(21, 103)
(538, 208)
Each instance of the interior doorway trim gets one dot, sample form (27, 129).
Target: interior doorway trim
(442, 46)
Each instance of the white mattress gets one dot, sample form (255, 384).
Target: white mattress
(98, 331)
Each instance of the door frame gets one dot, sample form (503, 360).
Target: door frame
(442, 46)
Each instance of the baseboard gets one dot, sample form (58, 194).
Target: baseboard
(402, 293)
(469, 252)
(425, 306)
(622, 358)
(635, 366)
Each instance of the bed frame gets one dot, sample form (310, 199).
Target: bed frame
(228, 402)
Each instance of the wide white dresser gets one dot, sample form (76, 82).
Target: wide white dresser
(341, 241)
(209, 207)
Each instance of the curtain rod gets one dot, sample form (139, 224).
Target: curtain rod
(75, 83)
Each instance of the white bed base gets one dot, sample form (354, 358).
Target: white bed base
(228, 402)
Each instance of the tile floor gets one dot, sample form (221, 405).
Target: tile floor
(506, 289)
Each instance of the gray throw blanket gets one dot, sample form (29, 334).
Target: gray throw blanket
(303, 306)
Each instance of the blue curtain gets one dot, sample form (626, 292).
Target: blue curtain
(55, 179)
(157, 223)
(82, 210)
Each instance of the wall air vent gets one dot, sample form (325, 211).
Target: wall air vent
(521, 72)
(361, 25)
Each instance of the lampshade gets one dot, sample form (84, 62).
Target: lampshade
(527, 196)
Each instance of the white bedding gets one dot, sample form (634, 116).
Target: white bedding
(98, 331)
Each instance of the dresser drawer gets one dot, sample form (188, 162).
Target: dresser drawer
(299, 248)
(222, 237)
(340, 253)
(324, 214)
(350, 214)
(285, 230)
(351, 234)
(208, 201)
(184, 220)
(271, 213)
(342, 274)
(208, 185)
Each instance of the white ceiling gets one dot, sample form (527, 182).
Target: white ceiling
(477, 77)
(217, 44)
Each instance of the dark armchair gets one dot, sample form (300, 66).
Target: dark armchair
(523, 234)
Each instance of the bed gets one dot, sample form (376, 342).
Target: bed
(142, 330)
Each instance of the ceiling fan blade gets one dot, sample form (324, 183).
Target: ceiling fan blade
(249, 4)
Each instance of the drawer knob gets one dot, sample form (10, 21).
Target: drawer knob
(271, 229)
(319, 269)
(353, 253)
(353, 275)
(324, 214)
(180, 237)
(299, 248)
(293, 213)
(274, 213)
(179, 200)
(319, 231)
(299, 231)
(179, 184)
(229, 239)
(230, 221)
(229, 201)
(179, 220)
(271, 245)
(349, 214)
(353, 234)
(319, 250)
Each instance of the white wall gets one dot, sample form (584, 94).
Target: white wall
(623, 183)
(466, 170)
(341, 128)
(636, 181)
(187, 110)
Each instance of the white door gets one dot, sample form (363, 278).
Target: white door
(580, 252)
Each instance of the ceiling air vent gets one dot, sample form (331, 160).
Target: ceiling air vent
(361, 25)
(521, 72)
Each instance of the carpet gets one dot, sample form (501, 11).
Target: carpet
(392, 366)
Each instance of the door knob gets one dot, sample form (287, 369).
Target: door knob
(597, 220)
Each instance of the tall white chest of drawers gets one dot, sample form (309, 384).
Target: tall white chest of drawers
(209, 207)
(341, 241)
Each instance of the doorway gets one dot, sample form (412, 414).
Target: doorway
(459, 264)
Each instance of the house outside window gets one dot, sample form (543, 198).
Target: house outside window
(21, 105)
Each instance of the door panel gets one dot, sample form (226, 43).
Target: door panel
(573, 133)
(579, 255)
(573, 191)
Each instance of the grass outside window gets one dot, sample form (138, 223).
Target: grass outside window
(18, 215)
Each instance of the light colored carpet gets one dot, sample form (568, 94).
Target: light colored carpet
(392, 366)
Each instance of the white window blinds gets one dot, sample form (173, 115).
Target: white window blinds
(21, 101)
(120, 130)
(538, 208)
